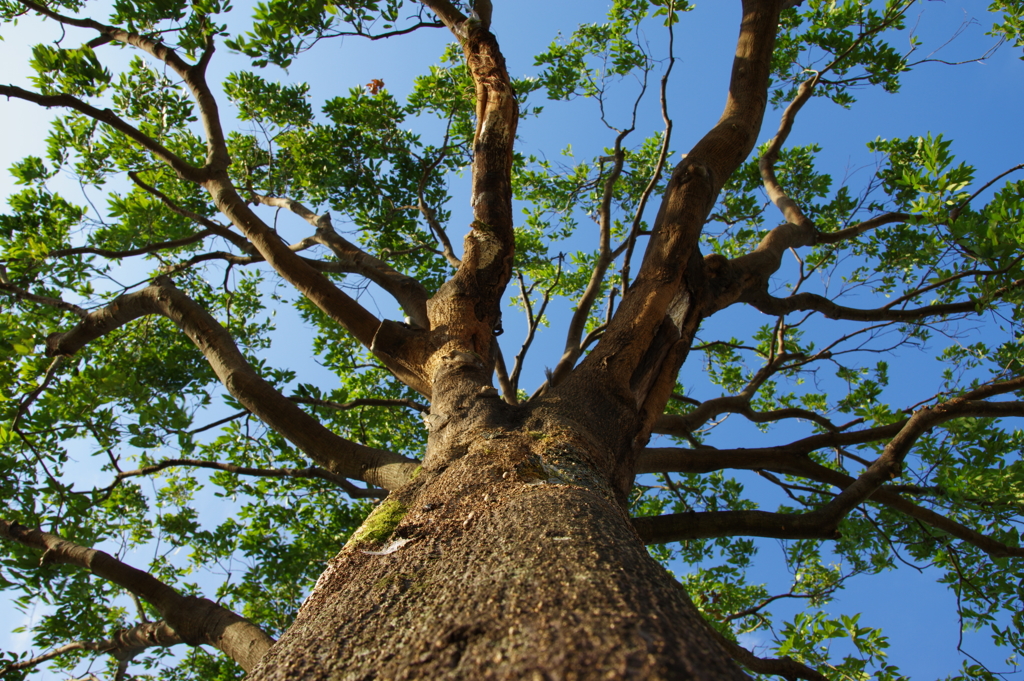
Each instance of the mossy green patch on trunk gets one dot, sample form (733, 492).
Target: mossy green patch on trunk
(380, 524)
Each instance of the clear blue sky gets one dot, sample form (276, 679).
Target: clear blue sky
(972, 104)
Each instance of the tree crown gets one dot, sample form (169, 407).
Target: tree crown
(158, 403)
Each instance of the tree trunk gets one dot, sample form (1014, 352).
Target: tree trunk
(509, 556)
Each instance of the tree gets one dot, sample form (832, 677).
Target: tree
(488, 533)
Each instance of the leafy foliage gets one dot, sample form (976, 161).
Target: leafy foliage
(86, 438)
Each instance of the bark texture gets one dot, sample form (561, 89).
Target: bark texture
(512, 559)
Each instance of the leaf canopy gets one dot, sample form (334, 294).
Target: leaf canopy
(908, 296)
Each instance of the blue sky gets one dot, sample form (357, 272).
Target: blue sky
(972, 104)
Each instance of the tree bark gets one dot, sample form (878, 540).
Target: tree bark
(508, 557)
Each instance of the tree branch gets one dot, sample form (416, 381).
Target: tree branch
(955, 212)
(792, 460)
(628, 245)
(408, 291)
(143, 250)
(740, 404)
(649, 335)
(429, 214)
(468, 306)
(194, 76)
(238, 240)
(312, 472)
(361, 402)
(183, 169)
(123, 645)
(399, 348)
(673, 527)
(746, 277)
(21, 294)
(889, 464)
(338, 455)
(532, 322)
(786, 667)
(812, 302)
(195, 620)
(386, 340)
(786, 205)
(796, 462)
(577, 325)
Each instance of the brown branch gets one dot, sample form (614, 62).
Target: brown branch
(860, 228)
(34, 395)
(195, 620)
(238, 240)
(533, 321)
(789, 208)
(673, 527)
(955, 212)
(408, 291)
(439, 233)
(361, 402)
(143, 250)
(243, 260)
(183, 169)
(745, 278)
(786, 667)
(648, 336)
(389, 341)
(429, 214)
(123, 645)
(812, 302)
(193, 76)
(577, 325)
(387, 34)
(628, 245)
(22, 294)
(962, 274)
(792, 460)
(796, 462)
(468, 306)
(448, 14)
(786, 205)
(740, 404)
(312, 472)
(889, 464)
(754, 609)
(338, 455)
(231, 258)
(733, 404)
(508, 392)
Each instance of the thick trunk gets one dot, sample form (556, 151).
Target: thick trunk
(508, 557)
